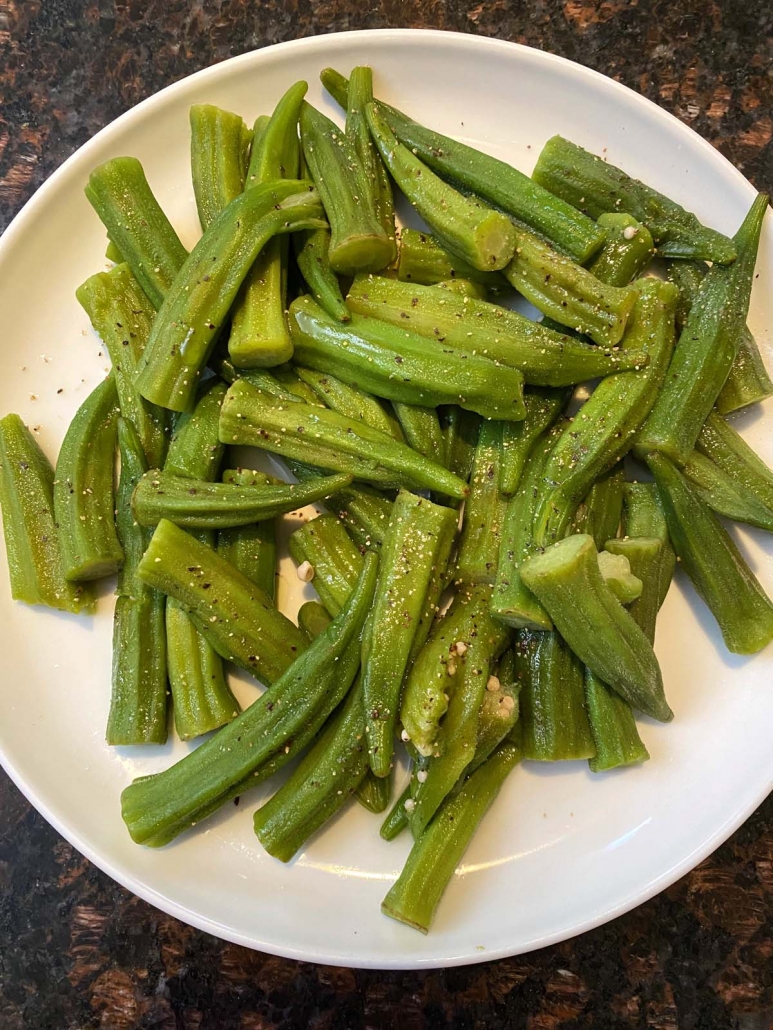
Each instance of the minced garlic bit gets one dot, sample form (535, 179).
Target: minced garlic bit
(629, 232)
(306, 572)
(493, 683)
(421, 775)
(508, 702)
(460, 647)
(451, 668)
(405, 736)
(410, 804)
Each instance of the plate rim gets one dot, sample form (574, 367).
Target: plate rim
(133, 882)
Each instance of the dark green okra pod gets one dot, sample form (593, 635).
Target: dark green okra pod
(313, 619)
(397, 819)
(484, 509)
(725, 495)
(414, 556)
(251, 549)
(119, 193)
(198, 301)
(460, 436)
(600, 512)
(374, 792)
(416, 893)
(421, 428)
(312, 253)
(122, 316)
(643, 555)
(485, 238)
(351, 401)
(157, 808)
(371, 167)
(567, 292)
(220, 143)
(616, 739)
(627, 250)
(567, 580)
(495, 181)
(595, 186)
(730, 452)
(259, 336)
(423, 260)
(35, 560)
(328, 440)
(84, 495)
(543, 407)
(554, 720)
(400, 365)
(713, 563)
(230, 611)
(474, 326)
(358, 242)
(706, 349)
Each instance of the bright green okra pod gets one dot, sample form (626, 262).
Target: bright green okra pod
(460, 437)
(220, 143)
(323, 782)
(643, 516)
(495, 181)
(725, 495)
(706, 349)
(554, 720)
(399, 365)
(421, 428)
(485, 238)
(414, 556)
(251, 549)
(326, 546)
(202, 293)
(198, 504)
(374, 792)
(397, 819)
(567, 292)
(599, 514)
(328, 440)
(84, 495)
(195, 450)
(499, 712)
(596, 187)
(424, 261)
(157, 808)
(505, 337)
(119, 193)
(120, 313)
(351, 401)
(231, 612)
(371, 167)
(644, 558)
(713, 563)
(627, 250)
(414, 897)
(730, 452)
(567, 581)
(616, 739)
(464, 287)
(604, 428)
(484, 509)
(35, 560)
(544, 406)
(312, 253)
(358, 242)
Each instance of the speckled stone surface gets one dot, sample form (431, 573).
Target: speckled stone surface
(77, 951)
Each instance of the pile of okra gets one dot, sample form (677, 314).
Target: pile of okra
(489, 566)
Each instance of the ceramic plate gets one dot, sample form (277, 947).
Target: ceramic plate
(562, 850)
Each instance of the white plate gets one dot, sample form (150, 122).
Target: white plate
(562, 850)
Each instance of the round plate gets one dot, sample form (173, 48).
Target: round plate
(562, 850)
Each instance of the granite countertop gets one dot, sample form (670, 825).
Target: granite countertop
(76, 950)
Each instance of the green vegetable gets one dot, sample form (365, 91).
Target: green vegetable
(312, 253)
(600, 512)
(351, 401)
(643, 516)
(460, 435)
(616, 572)
(324, 543)
(328, 440)
(595, 186)
(370, 164)
(423, 260)
(220, 143)
(397, 820)
(566, 579)
(706, 349)
(35, 561)
(543, 407)
(627, 250)
(724, 494)
(374, 792)
(421, 429)
(730, 452)
(484, 510)
(464, 287)
(642, 555)
(84, 495)
(616, 739)
(313, 618)
(251, 549)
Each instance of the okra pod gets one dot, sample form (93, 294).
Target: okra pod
(374, 792)
(251, 549)
(495, 181)
(260, 377)
(616, 739)
(313, 619)
(567, 292)
(499, 712)
(553, 718)
(35, 560)
(371, 167)
(599, 514)
(324, 544)
(157, 808)
(464, 287)
(195, 451)
(706, 349)
(397, 820)
(328, 440)
(349, 400)
(415, 895)
(119, 193)
(730, 452)
(84, 496)
(643, 516)
(198, 301)
(603, 429)
(421, 429)
(400, 365)
(220, 143)
(543, 407)
(424, 261)
(616, 572)
(643, 555)
(484, 509)
(713, 562)
(567, 580)
(472, 326)
(460, 434)
(312, 253)
(230, 611)
(724, 494)
(414, 556)
(358, 242)
(627, 250)
(198, 504)
(323, 782)
(485, 238)
(364, 512)
(596, 187)
(122, 316)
